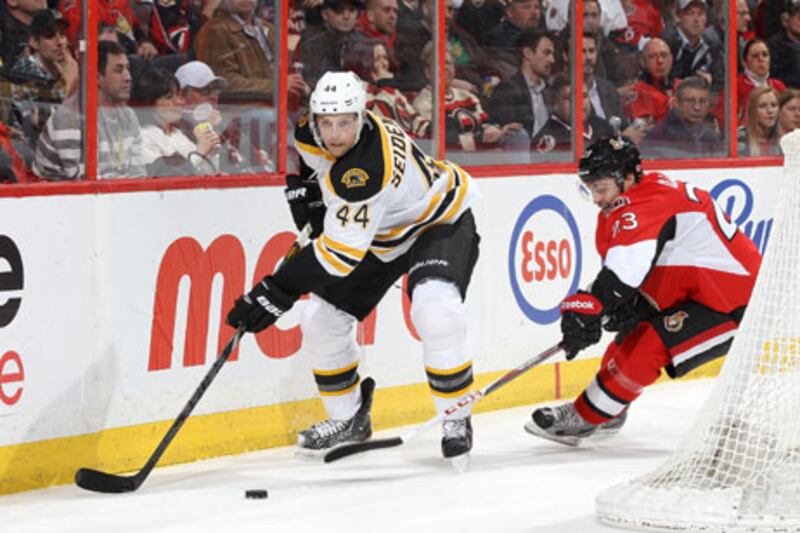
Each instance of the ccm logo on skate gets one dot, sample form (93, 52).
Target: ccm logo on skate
(12, 280)
(736, 199)
(544, 258)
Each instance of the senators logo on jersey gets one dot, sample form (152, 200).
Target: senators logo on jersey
(674, 323)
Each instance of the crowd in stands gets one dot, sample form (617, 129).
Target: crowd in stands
(187, 87)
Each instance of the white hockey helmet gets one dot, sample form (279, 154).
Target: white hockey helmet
(337, 93)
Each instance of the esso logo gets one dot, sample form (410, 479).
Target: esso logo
(544, 258)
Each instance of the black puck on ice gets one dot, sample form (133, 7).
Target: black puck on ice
(256, 494)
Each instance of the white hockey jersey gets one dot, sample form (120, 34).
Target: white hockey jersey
(381, 195)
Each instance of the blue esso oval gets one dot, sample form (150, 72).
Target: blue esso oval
(544, 258)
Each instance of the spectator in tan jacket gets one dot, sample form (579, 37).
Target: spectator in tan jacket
(238, 46)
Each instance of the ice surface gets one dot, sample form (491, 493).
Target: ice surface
(515, 483)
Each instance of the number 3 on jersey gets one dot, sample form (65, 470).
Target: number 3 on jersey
(361, 216)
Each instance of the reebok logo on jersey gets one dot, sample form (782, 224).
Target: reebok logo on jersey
(269, 307)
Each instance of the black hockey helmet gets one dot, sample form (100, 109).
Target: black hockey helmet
(615, 156)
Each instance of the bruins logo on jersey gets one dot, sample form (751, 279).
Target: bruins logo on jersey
(355, 177)
(674, 323)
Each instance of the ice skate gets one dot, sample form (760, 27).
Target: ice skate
(612, 427)
(560, 423)
(457, 442)
(324, 435)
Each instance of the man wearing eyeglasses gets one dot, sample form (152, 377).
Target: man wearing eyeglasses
(685, 132)
(649, 97)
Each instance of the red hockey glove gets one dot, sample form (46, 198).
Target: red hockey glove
(580, 322)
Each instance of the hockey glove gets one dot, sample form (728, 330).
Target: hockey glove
(261, 307)
(625, 317)
(580, 322)
(305, 202)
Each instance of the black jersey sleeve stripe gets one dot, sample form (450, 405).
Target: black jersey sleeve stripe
(411, 232)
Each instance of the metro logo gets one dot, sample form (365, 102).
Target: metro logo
(185, 257)
(225, 256)
(544, 258)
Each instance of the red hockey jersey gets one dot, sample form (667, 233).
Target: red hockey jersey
(674, 243)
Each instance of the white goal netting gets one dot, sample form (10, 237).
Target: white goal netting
(738, 469)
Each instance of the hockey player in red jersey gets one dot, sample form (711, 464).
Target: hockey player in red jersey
(676, 277)
(379, 208)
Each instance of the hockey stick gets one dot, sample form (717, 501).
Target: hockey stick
(346, 450)
(97, 481)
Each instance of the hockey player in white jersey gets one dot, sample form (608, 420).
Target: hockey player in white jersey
(379, 208)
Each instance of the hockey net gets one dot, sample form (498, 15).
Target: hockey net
(738, 469)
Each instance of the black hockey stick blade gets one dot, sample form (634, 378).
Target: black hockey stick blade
(96, 481)
(346, 450)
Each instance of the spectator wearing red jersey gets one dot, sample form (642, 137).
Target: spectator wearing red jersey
(756, 74)
(649, 97)
(644, 23)
(115, 13)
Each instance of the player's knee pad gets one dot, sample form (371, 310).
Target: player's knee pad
(327, 330)
(437, 312)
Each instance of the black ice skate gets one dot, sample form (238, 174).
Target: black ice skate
(326, 434)
(561, 424)
(457, 441)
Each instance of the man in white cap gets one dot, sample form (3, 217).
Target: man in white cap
(201, 88)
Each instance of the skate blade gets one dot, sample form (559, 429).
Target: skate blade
(603, 434)
(460, 463)
(533, 429)
(307, 454)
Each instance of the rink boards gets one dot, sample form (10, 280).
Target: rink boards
(111, 309)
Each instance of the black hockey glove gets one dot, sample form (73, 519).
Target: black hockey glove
(305, 202)
(625, 317)
(261, 307)
(580, 322)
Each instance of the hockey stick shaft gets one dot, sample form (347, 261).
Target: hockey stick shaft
(97, 481)
(359, 447)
